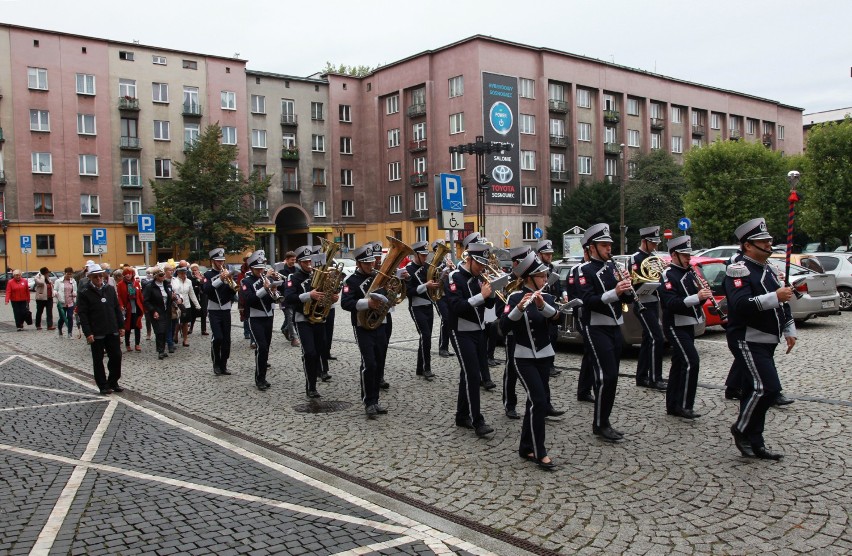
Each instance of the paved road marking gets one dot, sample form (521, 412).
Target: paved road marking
(376, 547)
(45, 389)
(21, 407)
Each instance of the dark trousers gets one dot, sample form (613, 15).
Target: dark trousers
(650, 364)
(44, 305)
(735, 376)
(161, 327)
(19, 310)
(220, 346)
(423, 317)
(586, 379)
(313, 346)
(490, 339)
(760, 387)
(110, 345)
(470, 350)
(604, 343)
(444, 332)
(329, 334)
(373, 345)
(510, 376)
(683, 377)
(136, 331)
(261, 336)
(199, 313)
(534, 375)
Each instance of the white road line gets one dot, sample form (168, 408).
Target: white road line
(367, 549)
(7, 360)
(46, 538)
(22, 407)
(43, 389)
(711, 341)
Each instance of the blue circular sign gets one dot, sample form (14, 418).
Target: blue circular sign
(537, 233)
(683, 224)
(501, 117)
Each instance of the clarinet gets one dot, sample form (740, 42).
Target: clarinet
(622, 274)
(701, 283)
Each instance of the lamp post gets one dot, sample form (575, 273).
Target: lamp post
(480, 148)
(623, 227)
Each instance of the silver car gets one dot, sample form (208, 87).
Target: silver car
(819, 292)
(840, 265)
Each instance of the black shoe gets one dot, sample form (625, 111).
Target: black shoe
(325, 377)
(492, 362)
(331, 358)
(464, 423)
(225, 371)
(552, 412)
(262, 387)
(488, 385)
(428, 375)
(106, 391)
(512, 414)
(587, 397)
(117, 388)
(483, 430)
(733, 393)
(742, 443)
(780, 400)
(161, 355)
(618, 433)
(265, 383)
(445, 353)
(643, 383)
(606, 433)
(382, 410)
(762, 453)
(253, 345)
(171, 349)
(685, 413)
(547, 466)
(554, 372)
(313, 393)
(658, 385)
(528, 457)
(217, 370)
(384, 385)
(372, 411)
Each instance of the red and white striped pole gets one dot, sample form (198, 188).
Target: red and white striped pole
(793, 178)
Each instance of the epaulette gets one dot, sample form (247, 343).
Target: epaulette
(737, 270)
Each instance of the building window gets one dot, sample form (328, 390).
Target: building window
(750, 126)
(229, 135)
(781, 132)
(88, 248)
(42, 163)
(317, 111)
(85, 84)
(456, 123)
(611, 167)
(530, 196)
(610, 135)
(190, 64)
(348, 209)
(697, 118)
(261, 206)
(89, 205)
(608, 102)
(696, 143)
(556, 91)
(191, 132)
(676, 115)
(39, 120)
(37, 78)
(162, 130)
(260, 169)
(160, 92)
(130, 176)
(393, 138)
(229, 100)
(584, 98)
(557, 128)
(345, 113)
(632, 167)
(632, 137)
(88, 164)
(715, 121)
(529, 230)
(133, 245)
(677, 144)
(46, 244)
(318, 175)
(656, 110)
(319, 209)
(558, 196)
(632, 107)
(346, 177)
(345, 145)
(395, 204)
(584, 131)
(392, 104)
(132, 208)
(43, 203)
(318, 143)
(289, 140)
(421, 233)
(456, 86)
(527, 160)
(258, 138)
(420, 201)
(258, 104)
(456, 161)
(393, 171)
(86, 124)
(584, 165)
(125, 55)
(290, 179)
(418, 131)
(420, 165)
(526, 124)
(526, 88)
(158, 60)
(656, 141)
(127, 88)
(162, 168)
(349, 241)
(557, 162)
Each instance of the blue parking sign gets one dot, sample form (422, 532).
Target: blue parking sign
(99, 236)
(26, 242)
(451, 193)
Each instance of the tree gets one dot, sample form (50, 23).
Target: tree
(211, 200)
(656, 189)
(826, 182)
(730, 182)
(355, 71)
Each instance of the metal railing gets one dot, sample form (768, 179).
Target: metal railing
(558, 141)
(421, 178)
(128, 103)
(130, 219)
(289, 119)
(612, 148)
(416, 110)
(191, 109)
(658, 123)
(417, 145)
(290, 154)
(290, 186)
(612, 116)
(557, 106)
(129, 143)
(131, 181)
(420, 214)
(558, 175)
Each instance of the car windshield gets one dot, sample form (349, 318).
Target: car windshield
(714, 273)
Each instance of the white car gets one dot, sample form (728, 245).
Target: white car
(840, 265)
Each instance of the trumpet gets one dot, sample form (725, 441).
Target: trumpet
(226, 277)
(701, 283)
(270, 277)
(622, 274)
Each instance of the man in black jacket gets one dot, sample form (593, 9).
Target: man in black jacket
(103, 326)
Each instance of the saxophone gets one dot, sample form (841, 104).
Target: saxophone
(432, 272)
(386, 279)
(326, 279)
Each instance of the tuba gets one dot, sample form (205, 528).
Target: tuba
(327, 279)
(432, 272)
(386, 279)
(493, 271)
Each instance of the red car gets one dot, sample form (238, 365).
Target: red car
(713, 271)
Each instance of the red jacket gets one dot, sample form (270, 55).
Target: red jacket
(124, 302)
(17, 289)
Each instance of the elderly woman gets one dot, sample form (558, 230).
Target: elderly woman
(182, 286)
(158, 298)
(44, 298)
(18, 292)
(65, 291)
(129, 292)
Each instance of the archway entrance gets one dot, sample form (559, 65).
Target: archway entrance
(291, 229)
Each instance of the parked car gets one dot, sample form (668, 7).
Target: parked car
(840, 265)
(720, 252)
(348, 266)
(807, 260)
(819, 292)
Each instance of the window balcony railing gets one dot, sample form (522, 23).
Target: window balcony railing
(130, 143)
(767, 139)
(290, 187)
(416, 110)
(612, 148)
(290, 153)
(2, 177)
(130, 219)
(658, 123)
(191, 109)
(417, 145)
(559, 175)
(698, 129)
(289, 119)
(735, 134)
(612, 116)
(558, 141)
(420, 214)
(128, 103)
(131, 181)
(558, 106)
(1, 135)
(418, 179)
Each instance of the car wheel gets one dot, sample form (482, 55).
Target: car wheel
(845, 298)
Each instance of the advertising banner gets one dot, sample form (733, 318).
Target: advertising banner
(500, 124)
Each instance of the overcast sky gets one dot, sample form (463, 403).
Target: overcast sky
(796, 52)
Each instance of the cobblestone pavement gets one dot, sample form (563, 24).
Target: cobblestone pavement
(671, 486)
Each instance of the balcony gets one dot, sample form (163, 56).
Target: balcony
(559, 175)
(417, 145)
(612, 148)
(767, 139)
(130, 143)
(290, 153)
(1, 135)
(131, 219)
(734, 134)
(191, 110)
(416, 110)
(559, 106)
(128, 103)
(612, 116)
(131, 181)
(289, 120)
(558, 141)
(418, 179)
(698, 129)
(2, 177)
(658, 123)
(420, 214)
(289, 186)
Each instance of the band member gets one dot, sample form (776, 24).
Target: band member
(544, 248)
(467, 298)
(586, 378)
(603, 292)
(220, 297)
(313, 335)
(260, 295)
(288, 327)
(372, 344)
(527, 314)
(510, 372)
(441, 306)
(682, 302)
(758, 318)
(328, 326)
(649, 368)
(420, 306)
